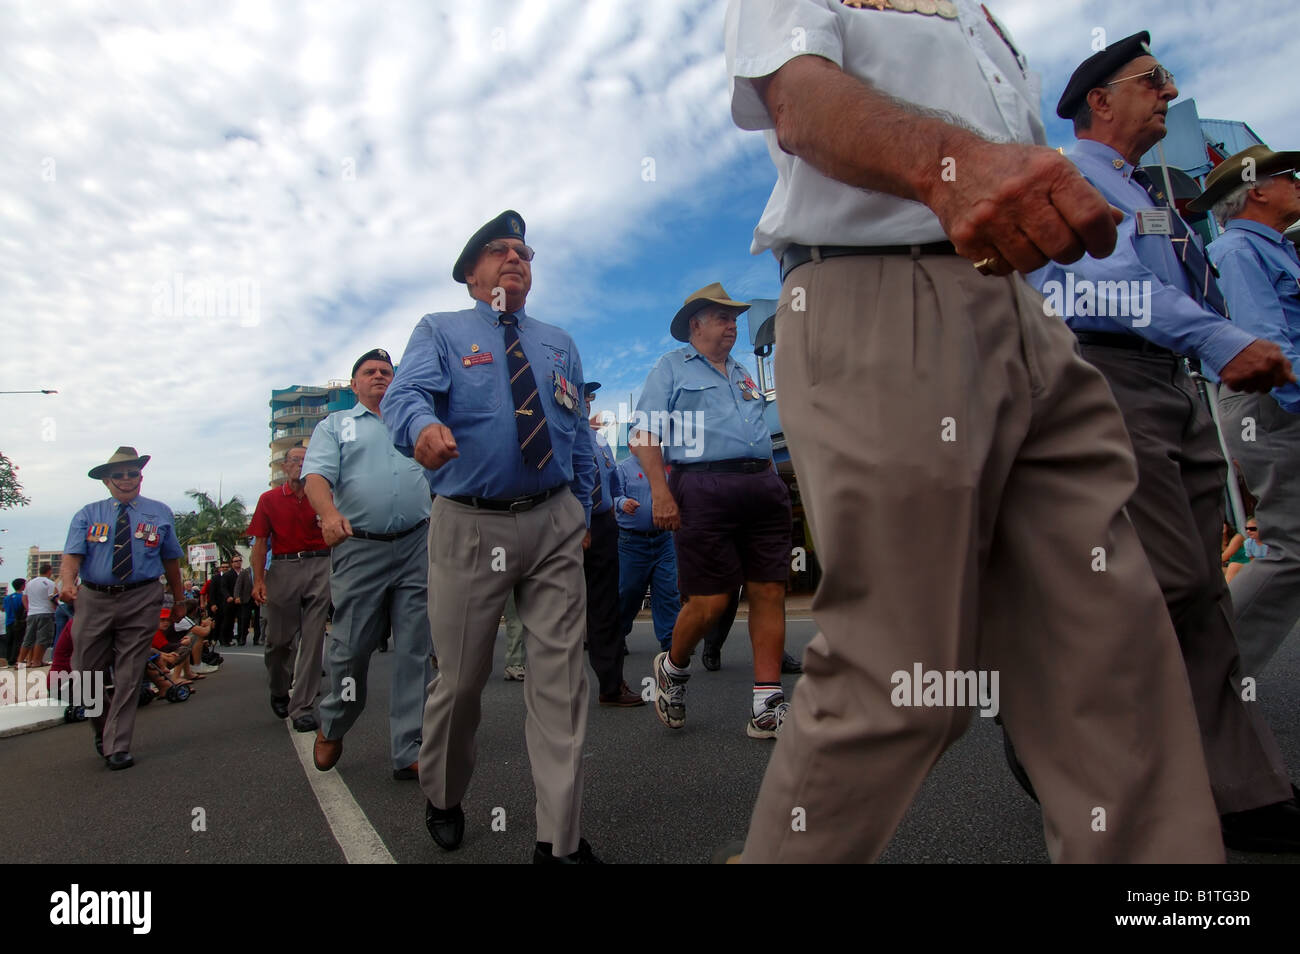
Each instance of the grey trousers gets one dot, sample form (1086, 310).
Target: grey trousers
(379, 587)
(1266, 593)
(1178, 513)
(515, 655)
(116, 630)
(298, 592)
(927, 404)
(475, 558)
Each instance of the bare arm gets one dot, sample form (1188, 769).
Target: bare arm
(69, 567)
(259, 570)
(663, 508)
(335, 527)
(172, 570)
(1022, 204)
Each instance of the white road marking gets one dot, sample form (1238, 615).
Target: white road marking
(351, 828)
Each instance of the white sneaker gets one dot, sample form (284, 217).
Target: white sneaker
(767, 724)
(204, 669)
(514, 673)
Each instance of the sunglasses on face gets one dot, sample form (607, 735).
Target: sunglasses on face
(1252, 529)
(499, 247)
(1158, 76)
(125, 474)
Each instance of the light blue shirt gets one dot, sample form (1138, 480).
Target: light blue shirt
(1172, 317)
(611, 481)
(1259, 274)
(146, 517)
(698, 414)
(636, 486)
(375, 487)
(444, 378)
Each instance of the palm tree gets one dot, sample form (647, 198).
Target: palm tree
(224, 524)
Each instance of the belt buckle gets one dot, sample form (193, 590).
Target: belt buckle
(522, 506)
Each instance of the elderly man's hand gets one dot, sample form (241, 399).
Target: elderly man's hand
(259, 593)
(435, 446)
(631, 506)
(335, 529)
(663, 508)
(1260, 366)
(1021, 206)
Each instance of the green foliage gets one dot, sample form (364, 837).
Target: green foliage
(213, 522)
(11, 492)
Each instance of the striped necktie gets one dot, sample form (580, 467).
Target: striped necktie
(122, 545)
(530, 419)
(596, 495)
(1199, 271)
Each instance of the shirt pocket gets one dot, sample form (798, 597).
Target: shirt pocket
(1287, 286)
(477, 388)
(698, 397)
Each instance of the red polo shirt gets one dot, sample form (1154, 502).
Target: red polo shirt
(288, 521)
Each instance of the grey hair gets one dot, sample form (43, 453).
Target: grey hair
(1234, 203)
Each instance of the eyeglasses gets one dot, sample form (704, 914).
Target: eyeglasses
(1159, 76)
(1252, 529)
(124, 474)
(1290, 174)
(501, 247)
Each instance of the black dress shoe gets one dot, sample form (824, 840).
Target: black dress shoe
(280, 706)
(446, 825)
(99, 743)
(1270, 828)
(789, 664)
(712, 658)
(583, 856)
(306, 723)
(407, 773)
(119, 760)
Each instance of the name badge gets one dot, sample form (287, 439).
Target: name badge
(472, 359)
(1154, 222)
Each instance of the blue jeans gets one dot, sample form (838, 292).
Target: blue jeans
(653, 561)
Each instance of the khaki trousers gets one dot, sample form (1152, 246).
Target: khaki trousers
(933, 409)
(116, 629)
(476, 557)
(298, 594)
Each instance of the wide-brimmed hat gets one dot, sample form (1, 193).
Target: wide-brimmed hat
(123, 455)
(509, 224)
(713, 294)
(1261, 162)
(590, 388)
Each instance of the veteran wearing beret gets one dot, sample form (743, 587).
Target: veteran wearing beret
(490, 401)
(1136, 313)
(701, 413)
(374, 509)
(120, 547)
(1255, 196)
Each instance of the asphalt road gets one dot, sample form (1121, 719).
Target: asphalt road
(652, 795)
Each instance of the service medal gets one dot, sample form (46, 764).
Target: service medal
(903, 6)
(927, 8)
(103, 538)
(947, 9)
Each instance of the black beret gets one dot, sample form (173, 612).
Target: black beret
(1093, 71)
(590, 388)
(509, 224)
(377, 354)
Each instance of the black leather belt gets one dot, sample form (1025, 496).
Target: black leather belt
(741, 465)
(517, 505)
(643, 533)
(1106, 339)
(388, 537)
(117, 587)
(301, 555)
(796, 255)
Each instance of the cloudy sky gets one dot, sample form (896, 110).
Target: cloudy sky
(321, 165)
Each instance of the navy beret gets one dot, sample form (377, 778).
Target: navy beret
(509, 224)
(1093, 71)
(377, 354)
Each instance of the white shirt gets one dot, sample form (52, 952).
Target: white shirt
(961, 67)
(40, 596)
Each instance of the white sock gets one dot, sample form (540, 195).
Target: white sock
(673, 669)
(767, 692)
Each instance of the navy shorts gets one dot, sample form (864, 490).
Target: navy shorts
(735, 527)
